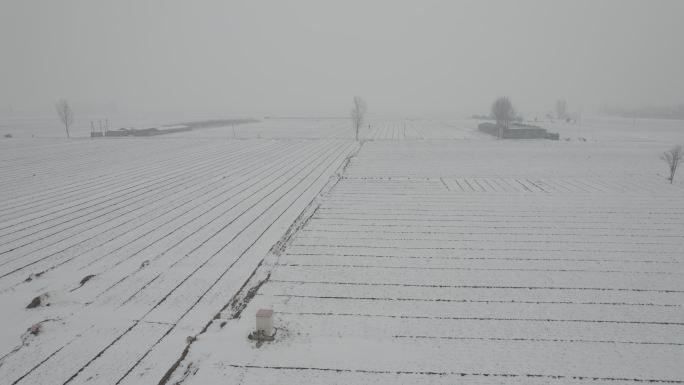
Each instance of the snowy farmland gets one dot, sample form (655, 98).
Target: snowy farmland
(163, 229)
(431, 253)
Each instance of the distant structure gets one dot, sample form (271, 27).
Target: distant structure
(146, 131)
(105, 131)
(101, 130)
(516, 131)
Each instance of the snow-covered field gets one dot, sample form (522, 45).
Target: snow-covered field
(436, 255)
(21, 126)
(168, 228)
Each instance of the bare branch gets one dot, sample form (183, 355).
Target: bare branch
(672, 158)
(358, 113)
(561, 109)
(66, 115)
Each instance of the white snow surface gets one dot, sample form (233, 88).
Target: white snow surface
(435, 255)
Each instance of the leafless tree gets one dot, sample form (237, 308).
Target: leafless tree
(672, 158)
(66, 114)
(358, 112)
(561, 109)
(503, 112)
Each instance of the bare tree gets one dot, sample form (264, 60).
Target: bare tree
(672, 158)
(66, 114)
(503, 112)
(358, 112)
(561, 109)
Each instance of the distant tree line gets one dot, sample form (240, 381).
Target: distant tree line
(649, 112)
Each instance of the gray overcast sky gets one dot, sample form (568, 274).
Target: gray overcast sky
(406, 58)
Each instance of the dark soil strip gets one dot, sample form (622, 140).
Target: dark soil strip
(473, 301)
(450, 268)
(449, 257)
(541, 340)
(461, 374)
(482, 286)
(677, 253)
(474, 226)
(401, 316)
(335, 230)
(544, 240)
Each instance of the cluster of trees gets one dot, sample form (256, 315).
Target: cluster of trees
(503, 111)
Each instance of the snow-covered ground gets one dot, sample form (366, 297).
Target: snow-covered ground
(436, 255)
(48, 126)
(166, 228)
(277, 129)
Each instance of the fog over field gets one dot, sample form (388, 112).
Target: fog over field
(341, 192)
(407, 58)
